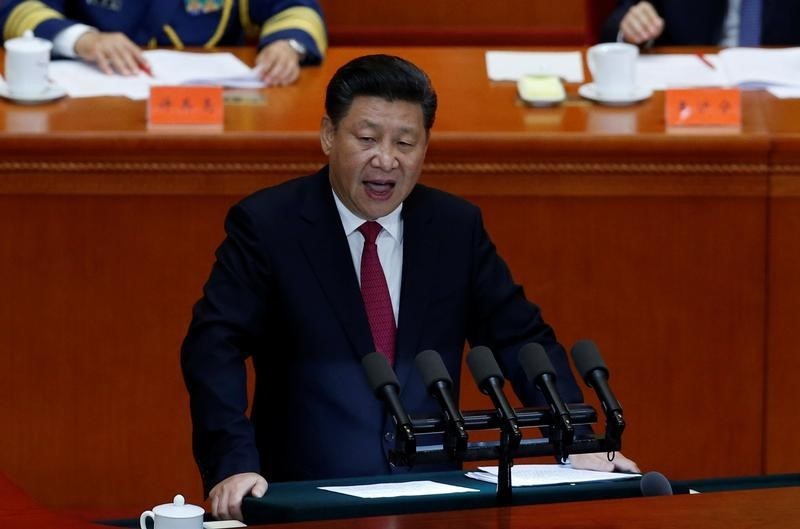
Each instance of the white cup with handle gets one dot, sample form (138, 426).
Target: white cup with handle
(175, 515)
(613, 69)
(26, 66)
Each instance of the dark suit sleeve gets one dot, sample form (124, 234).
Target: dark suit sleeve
(611, 27)
(226, 327)
(504, 320)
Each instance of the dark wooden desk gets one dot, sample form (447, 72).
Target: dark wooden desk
(762, 509)
(676, 252)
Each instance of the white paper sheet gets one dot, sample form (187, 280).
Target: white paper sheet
(169, 67)
(394, 490)
(659, 72)
(511, 65)
(785, 92)
(529, 475)
(761, 67)
(748, 68)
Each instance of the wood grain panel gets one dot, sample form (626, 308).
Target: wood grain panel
(782, 430)
(783, 361)
(671, 291)
(449, 22)
(97, 298)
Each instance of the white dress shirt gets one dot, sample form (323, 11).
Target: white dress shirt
(390, 247)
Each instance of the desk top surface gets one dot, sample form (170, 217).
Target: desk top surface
(468, 103)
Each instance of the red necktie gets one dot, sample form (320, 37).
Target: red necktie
(376, 294)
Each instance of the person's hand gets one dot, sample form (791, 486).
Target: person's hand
(278, 63)
(226, 496)
(599, 461)
(112, 52)
(641, 23)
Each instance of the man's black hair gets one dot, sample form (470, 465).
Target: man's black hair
(385, 76)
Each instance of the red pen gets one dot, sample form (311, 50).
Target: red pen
(146, 69)
(705, 60)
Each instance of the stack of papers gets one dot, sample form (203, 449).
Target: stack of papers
(81, 79)
(776, 70)
(530, 475)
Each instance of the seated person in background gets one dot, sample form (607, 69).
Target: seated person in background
(109, 33)
(292, 288)
(705, 22)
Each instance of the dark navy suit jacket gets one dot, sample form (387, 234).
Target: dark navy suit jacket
(699, 22)
(284, 291)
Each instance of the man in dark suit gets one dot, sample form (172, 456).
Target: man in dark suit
(703, 23)
(285, 290)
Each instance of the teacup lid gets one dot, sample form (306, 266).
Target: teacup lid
(178, 509)
(28, 43)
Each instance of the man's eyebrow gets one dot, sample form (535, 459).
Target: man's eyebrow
(367, 123)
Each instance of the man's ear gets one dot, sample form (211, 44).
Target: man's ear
(326, 134)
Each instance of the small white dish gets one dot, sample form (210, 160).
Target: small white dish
(639, 93)
(52, 93)
(541, 90)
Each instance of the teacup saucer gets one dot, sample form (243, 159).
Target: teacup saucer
(52, 93)
(639, 93)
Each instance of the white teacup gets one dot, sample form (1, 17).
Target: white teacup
(175, 515)
(613, 68)
(26, 66)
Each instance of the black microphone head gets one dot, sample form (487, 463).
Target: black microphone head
(432, 368)
(655, 484)
(587, 358)
(535, 362)
(483, 366)
(379, 372)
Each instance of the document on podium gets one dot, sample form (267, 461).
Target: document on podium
(530, 475)
(169, 67)
(395, 490)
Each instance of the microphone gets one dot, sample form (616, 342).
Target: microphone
(439, 384)
(386, 387)
(540, 372)
(490, 381)
(594, 372)
(655, 484)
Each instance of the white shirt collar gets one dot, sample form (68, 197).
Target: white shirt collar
(351, 222)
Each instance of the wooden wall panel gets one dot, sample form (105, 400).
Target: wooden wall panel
(671, 291)
(451, 22)
(97, 293)
(782, 346)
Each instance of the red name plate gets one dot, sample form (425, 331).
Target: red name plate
(703, 106)
(185, 105)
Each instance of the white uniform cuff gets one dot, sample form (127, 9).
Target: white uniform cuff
(64, 42)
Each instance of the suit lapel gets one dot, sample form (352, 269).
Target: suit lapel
(420, 264)
(325, 246)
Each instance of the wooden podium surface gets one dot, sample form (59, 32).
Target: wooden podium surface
(763, 509)
(675, 251)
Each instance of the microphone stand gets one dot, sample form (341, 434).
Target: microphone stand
(509, 442)
(615, 424)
